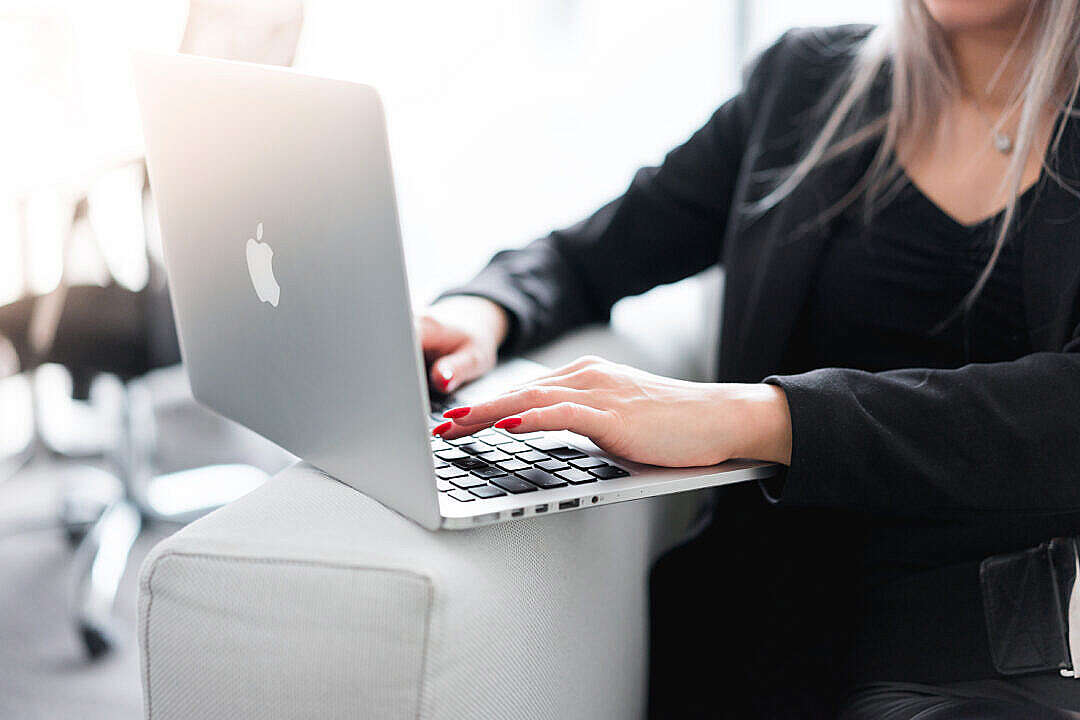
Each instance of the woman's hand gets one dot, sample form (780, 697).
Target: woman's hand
(640, 416)
(460, 336)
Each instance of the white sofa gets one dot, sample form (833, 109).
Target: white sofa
(306, 599)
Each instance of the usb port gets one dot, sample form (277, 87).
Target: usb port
(541, 509)
(567, 504)
(518, 513)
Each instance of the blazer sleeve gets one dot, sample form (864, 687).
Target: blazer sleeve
(669, 224)
(984, 438)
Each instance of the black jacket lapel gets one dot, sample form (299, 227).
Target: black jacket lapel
(785, 272)
(1051, 252)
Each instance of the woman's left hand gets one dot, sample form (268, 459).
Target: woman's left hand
(640, 416)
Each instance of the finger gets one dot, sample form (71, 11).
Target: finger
(457, 368)
(595, 424)
(436, 338)
(453, 431)
(513, 403)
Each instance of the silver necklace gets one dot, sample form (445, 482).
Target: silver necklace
(1001, 140)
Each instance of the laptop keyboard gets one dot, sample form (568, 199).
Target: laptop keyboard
(493, 463)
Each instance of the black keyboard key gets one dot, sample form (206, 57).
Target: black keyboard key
(544, 444)
(450, 455)
(443, 485)
(587, 463)
(488, 472)
(513, 484)
(495, 456)
(540, 478)
(515, 447)
(552, 465)
(449, 472)
(533, 457)
(468, 481)
(475, 447)
(607, 472)
(513, 465)
(470, 463)
(487, 491)
(566, 453)
(461, 495)
(575, 477)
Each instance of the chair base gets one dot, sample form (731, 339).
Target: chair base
(103, 548)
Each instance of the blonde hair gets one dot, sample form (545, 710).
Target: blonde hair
(923, 78)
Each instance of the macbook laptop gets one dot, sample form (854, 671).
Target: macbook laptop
(283, 252)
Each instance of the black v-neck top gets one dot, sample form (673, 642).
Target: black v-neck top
(886, 289)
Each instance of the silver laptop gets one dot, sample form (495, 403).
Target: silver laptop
(283, 252)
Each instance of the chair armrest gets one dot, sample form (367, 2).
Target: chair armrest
(305, 598)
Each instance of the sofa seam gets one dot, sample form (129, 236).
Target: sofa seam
(425, 579)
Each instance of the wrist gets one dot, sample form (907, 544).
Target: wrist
(485, 319)
(763, 420)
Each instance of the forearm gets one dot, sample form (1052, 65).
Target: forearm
(668, 225)
(764, 421)
(742, 420)
(1001, 437)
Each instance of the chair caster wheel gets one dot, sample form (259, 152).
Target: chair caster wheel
(74, 535)
(97, 642)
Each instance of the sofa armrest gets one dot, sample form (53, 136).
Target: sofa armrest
(308, 599)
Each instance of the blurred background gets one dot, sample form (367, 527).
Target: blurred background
(506, 119)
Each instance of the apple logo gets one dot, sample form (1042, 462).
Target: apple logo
(260, 257)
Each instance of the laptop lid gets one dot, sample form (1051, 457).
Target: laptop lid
(283, 252)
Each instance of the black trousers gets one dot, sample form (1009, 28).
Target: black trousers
(901, 701)
(756, 618)
(752, 619)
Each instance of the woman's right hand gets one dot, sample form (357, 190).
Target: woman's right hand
(460, 336)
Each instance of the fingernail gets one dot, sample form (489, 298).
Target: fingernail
(456, 413)
(508, 423)
(447, 376)
(439, 430)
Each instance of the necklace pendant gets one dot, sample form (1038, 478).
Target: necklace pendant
(1003, 143)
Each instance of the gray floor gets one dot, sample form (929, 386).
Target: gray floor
(43, 672)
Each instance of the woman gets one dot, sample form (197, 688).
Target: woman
(896, 212)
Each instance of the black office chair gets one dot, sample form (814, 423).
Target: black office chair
(119, 350)
(107, 357)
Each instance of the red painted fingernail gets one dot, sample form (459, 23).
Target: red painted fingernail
(508, 423)
(441, 428)
(456, 413)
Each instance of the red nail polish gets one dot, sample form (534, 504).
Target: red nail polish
(439, 430)
(508, 423)
(456, 413)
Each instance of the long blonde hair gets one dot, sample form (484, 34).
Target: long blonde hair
(923, 78)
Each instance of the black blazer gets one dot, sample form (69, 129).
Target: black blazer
(987, 456)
